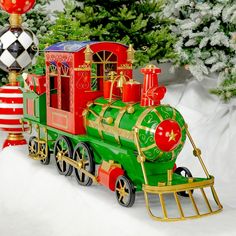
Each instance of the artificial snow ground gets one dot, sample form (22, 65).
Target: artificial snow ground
(36, 201)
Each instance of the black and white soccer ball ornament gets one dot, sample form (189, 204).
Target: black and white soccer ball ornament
(18, 49)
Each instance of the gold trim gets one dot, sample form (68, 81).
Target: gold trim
(88, 54)
(46, 140)
(181, 218)
(93, 113)
(121, 80)
(180, 187)
(83, 68)
(77, 165)
(12, 77)
(110, 129)
(206, 200)
(103, 61)
(15, 20)
(29, 130)
(169, 176)
(117, 123)
(130, 54)
(181, 143)
(40, 154)
(115, 130)
(190, 179)
(111, 106)
(100, 118)
(161, 184)
(15, 137)
(143, 115)
(149, 147)
(193, 202)
(84, 114)
(109, 56)
(109, 120)
(180, 209)
(147, 129)
(107, 165)
(174, 114)
(196, 151)
(160, 155)
(141, 157)
(172, 155)
(215, 196)
(158, 115)
(130, 109)
(163, 206)
(162, 190)
(125, 67)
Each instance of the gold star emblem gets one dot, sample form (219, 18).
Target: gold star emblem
(172, 136)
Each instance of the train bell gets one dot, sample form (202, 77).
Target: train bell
(121, 80)
(110, 88)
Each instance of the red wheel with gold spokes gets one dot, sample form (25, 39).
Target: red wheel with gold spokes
(125, 191)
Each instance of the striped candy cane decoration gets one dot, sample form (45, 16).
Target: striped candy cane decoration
(11, 112)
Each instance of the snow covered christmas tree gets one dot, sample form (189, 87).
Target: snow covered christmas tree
(127, 21)
(206, 37)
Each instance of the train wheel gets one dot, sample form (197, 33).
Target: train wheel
(84, 156)
(185, 172)
(125, 192)
(33, 146)
(44, 153)
(63, 147)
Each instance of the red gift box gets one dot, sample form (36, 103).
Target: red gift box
(36, 83)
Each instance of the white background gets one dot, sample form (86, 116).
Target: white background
(36, 200)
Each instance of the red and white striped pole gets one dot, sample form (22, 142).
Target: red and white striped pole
(17, 51)
(11, 113)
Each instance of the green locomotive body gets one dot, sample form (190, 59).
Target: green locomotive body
(120, 134)
(112, 132)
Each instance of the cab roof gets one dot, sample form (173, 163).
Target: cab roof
(73, 46)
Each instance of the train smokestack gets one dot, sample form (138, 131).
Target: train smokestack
(152, 94)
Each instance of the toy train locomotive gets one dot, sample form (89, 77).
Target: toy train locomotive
(99, 122)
